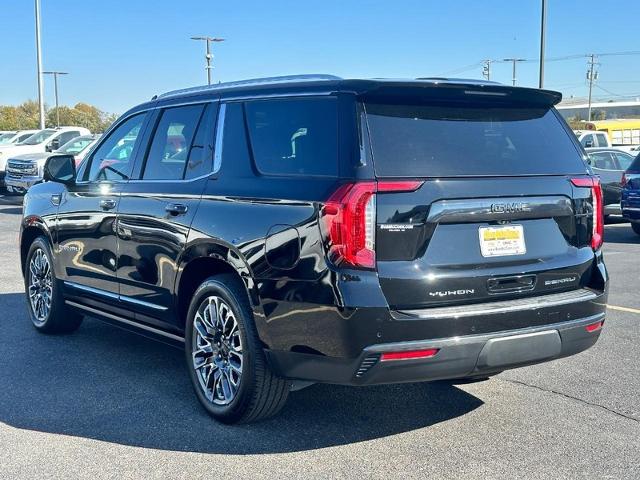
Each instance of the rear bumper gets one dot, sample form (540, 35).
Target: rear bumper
(457, 357)
(612, 209)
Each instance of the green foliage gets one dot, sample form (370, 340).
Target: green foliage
(26, 116)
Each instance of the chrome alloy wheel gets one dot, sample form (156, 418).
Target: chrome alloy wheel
(216, 348)
(40, 285)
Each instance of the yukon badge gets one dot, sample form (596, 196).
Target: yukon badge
(451, 293)
(510, 207)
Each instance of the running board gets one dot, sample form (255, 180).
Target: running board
(125, 321)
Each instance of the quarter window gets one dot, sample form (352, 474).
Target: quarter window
(602, 140)
(172, 143)
(113, 159)
(294, 137)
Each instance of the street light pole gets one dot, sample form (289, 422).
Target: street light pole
(514, 61)
(39, 61)
(592, 76)
(55, 83)
(208, 55)
(543, 27)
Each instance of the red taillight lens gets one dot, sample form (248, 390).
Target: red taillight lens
(349, 220)
(597, 235)
(409, 354)
(594, 327)
(623, 180)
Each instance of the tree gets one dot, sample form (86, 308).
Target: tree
(26, 116)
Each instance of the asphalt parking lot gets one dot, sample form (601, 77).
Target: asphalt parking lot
(103, 403)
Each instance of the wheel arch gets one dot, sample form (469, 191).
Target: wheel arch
(33, 228)
(204, 260)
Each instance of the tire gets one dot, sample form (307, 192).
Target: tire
(45, 302)
(636, 227)
(226, 364)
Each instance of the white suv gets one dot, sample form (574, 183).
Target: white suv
(46, 140)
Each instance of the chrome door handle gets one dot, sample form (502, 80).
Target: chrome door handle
(108, 204)
(176, 209)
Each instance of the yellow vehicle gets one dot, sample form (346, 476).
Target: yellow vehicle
(621, 131)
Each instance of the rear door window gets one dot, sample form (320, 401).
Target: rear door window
(456, 140)
(171, 144)
(294, 137)
(624, 160)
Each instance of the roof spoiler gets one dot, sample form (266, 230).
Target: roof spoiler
(436, 90)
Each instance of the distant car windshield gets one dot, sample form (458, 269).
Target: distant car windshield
(39, 137)
(5, 137)
(76, 145)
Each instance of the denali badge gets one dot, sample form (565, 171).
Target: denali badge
(558, 281)
(510, 207)
(448, 293)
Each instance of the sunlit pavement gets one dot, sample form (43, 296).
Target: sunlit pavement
(103, 403)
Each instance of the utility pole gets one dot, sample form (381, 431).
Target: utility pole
(208, 56)
(592, 76)
(486, 70)
(39, 61)
(55, 83)
(514, 61)
(543, 26)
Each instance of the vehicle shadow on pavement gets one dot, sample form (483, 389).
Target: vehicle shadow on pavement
(621, 233)
(107, 384)
(11, 210)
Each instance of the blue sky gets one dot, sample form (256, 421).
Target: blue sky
(122, 52)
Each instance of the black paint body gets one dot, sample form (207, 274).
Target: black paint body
(132, 263)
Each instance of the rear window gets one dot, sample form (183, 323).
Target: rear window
(294, 137)
(635, 165)
(441, 141)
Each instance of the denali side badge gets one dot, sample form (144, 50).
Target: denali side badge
(450, 293)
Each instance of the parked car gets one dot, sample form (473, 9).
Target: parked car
(11, 138)
(24, 171)
(609, 164)
(316, 229)
(630, 202)
(46, 140)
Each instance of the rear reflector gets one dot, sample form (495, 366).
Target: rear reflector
(409, 354)
(594, 327)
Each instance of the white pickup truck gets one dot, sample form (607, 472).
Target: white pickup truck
(594, 138)
(46, 140)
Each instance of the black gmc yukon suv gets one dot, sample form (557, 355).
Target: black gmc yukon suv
(315, 229)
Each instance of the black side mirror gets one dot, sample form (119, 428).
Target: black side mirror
(53, 145)
(61, 169)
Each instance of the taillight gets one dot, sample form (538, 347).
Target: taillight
(348, 220)
(597, 235)
(623, 180)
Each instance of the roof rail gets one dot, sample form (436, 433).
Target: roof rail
(252, 82)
